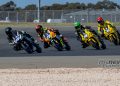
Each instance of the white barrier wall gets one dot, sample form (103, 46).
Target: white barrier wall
(56, 20)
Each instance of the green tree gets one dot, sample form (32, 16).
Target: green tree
(90, 5)
(31, 7)
(18, 9)
(72, 6)
(106, 4)
(9, 6)
(83, 6)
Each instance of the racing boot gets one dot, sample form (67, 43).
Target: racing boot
(103, 46)
(46, 45)
(84, 45)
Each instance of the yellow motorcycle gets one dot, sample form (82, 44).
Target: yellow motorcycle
(111, 35)
(90, 39)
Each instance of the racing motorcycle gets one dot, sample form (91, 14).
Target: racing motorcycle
(90, 39)
(111, 35)
(24, 43)
(57, 41)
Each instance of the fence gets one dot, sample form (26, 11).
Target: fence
(68, 15)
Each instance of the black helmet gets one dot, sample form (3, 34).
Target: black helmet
(8, 30)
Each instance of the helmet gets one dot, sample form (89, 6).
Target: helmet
(77, 25)
(100, 19)
(38, 28)
(8, 30)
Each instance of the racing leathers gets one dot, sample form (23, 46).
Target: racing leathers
(14, 33)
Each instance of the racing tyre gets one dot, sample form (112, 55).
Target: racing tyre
(114, 39)
(38, 48)
(58, 47)
(67, 46)
(27, 48)
(103, 46)
(95, 44)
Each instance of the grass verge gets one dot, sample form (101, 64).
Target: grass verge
(29, 24)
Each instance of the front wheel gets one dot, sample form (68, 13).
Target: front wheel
(114, 39)
(103, 46)
(16, 47)
(57, 44)
(94, 43)
(38, 48)
(58, 47)
(67, 46)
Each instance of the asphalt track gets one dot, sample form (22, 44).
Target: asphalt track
(76, 49)
(51, 58)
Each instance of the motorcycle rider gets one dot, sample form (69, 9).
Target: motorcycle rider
(41, 31)
(79, 29)
(104, 24)
(11, 34)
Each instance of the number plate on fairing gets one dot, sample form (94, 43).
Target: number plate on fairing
(85, 35)
(17, 38)
(107, 30)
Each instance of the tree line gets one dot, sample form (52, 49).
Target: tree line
(104, 4)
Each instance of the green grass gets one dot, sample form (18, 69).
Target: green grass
(23, 24)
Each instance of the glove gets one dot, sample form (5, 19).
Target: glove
(41, 40)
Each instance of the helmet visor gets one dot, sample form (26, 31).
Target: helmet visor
(100, 22)
(76, 27)
(38, 30)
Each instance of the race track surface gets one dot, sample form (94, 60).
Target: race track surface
(7, 51)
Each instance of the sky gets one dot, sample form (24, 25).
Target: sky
(23, 3)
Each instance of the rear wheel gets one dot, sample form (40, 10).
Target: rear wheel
(67, 46)
(114, 39)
